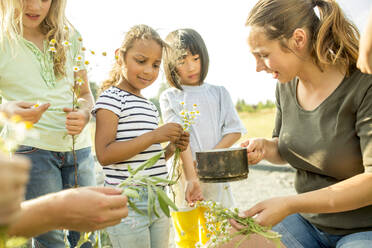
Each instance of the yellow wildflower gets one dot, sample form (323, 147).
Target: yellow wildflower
(104, 54)
(16, 118)
(28, 124)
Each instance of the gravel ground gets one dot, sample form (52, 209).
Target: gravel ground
(264, 181)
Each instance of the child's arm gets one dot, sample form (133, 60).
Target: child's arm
(110, 151)
(228, 140)
(193, 189)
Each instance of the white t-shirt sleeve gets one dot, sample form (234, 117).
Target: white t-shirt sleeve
(231, 122)
(168, 106)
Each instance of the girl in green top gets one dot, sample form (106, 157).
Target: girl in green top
(323, 124)
(38, 53)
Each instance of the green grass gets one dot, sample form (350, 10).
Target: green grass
(259, 124)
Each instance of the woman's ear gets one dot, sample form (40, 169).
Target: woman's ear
(299, 39)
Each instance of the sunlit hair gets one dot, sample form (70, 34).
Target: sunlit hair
(333, 38)
(138, 32)
(53, 26)
(180, 42)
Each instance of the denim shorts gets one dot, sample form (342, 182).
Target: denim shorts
(54, 171)
(136, 231)
(297, 232)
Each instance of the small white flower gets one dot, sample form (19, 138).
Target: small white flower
(79, 58)
(76, 68)
(52, 49)
(66, 43)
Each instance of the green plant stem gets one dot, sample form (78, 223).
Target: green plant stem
(175, 163)
(3, 236)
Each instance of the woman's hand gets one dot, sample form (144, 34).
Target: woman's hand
(76, 120)
(267, 213)
(255, 150)
(28, 111)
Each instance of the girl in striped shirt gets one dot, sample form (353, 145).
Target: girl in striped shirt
(127, 133)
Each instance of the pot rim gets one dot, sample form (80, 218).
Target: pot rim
(224, 149)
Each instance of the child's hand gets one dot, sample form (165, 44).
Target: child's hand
(183, 141)
(168, 132)
(193, 192)
(76, 120)
(26, 110)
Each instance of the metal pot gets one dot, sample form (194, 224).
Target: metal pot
(222, 165)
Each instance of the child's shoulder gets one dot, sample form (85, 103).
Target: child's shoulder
(171, 92)
(215, 88)
(114, 91)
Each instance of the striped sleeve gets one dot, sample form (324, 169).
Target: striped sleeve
(110, 101)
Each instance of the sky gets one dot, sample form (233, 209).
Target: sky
(103, 24)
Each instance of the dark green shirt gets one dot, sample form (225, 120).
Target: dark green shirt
(329, 144)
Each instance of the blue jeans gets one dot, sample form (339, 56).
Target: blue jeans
(52, 172)
(136, 231)
(297, 232)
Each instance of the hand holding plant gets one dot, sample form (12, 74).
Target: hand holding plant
(217, 223)
(28, 111)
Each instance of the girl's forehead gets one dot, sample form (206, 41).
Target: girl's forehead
(146, 48)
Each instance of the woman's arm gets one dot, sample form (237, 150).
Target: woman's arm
(228, 140)
(110, 151)
(350, 194)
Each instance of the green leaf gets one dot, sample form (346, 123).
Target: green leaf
(150, 162)
(150, 196)
(157, 180)
(162, 195)
(134, 208)
(131, 193)
(164, 207)
(130, 169)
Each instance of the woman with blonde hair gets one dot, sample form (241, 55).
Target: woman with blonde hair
(38, 53)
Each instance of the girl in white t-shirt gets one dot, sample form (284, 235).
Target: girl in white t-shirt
(218, 125)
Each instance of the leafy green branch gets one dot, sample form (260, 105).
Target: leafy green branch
(135, 184)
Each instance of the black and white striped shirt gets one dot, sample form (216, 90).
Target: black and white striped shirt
(137, 116)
